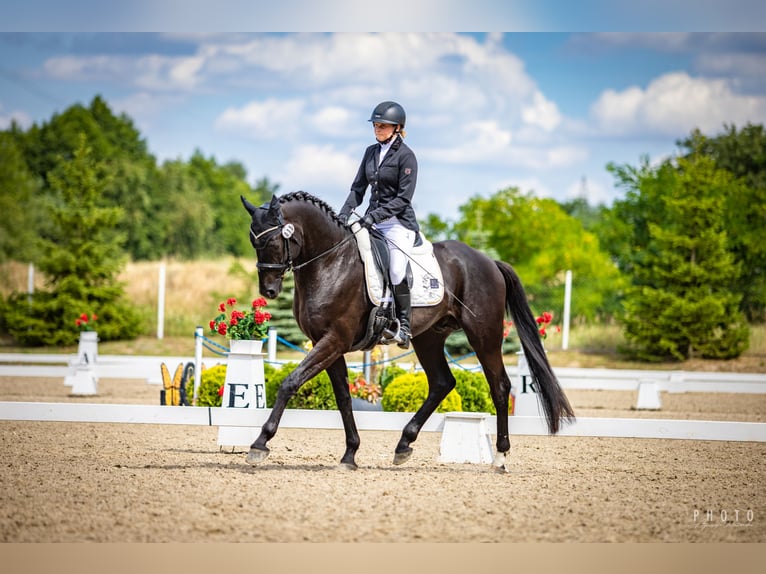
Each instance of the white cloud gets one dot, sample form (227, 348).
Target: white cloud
(20, 117)
(321, 170)
(593, 191)
(541, 112)
(674, 104)
(333, 121)
(733, 64)
(533, 185)
(267, 119)
(144, 107)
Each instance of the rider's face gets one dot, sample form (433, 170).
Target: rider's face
(383, 131)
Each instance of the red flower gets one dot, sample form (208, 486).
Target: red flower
(220, 391)
(93, 317)
(543, 321)
(84, 317)
(78, 322)
(248, 324)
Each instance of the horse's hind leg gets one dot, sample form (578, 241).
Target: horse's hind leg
(338, 373)
(429, 347)
(489, 353)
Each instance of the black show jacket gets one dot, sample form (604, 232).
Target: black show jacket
(392, 184)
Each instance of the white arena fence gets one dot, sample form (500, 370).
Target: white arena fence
(145, 367)
(372, 420)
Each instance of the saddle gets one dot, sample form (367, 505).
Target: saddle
(423, 274)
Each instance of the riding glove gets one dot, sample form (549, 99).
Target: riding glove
(367, 221)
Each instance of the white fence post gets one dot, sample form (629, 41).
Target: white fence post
(272, 346)
(367, 366)
(161, 302)
(567, 309)
(198, 333)
(30, 282)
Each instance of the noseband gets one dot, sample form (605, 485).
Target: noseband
(264, 237)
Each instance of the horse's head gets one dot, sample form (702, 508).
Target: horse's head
(270, 237)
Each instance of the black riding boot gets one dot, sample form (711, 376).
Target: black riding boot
(403, 310)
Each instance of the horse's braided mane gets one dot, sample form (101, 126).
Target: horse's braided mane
(305, 196)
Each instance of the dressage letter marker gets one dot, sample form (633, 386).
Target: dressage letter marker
(245, 389)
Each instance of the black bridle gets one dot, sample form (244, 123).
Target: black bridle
(286, 230)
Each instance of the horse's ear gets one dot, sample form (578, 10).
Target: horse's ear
(274, 213)
(249, 206)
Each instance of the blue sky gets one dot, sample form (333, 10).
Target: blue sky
(544, 111)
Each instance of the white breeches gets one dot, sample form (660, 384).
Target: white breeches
(400, 241)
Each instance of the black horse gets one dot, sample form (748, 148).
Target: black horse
(301, 232)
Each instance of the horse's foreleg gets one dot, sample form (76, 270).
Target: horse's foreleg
(318, 359)
(338, 373)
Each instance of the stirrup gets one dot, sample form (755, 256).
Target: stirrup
(402, 339)
(391, 332)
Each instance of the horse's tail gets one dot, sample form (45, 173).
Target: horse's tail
(554, 401)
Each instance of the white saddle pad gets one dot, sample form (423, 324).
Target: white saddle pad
(427, 285)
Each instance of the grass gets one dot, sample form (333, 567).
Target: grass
(193, 290)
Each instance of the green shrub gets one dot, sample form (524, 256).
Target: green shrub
(388, 374)
(316, 394)
(407, 392)
(209, 392)
(474, 391)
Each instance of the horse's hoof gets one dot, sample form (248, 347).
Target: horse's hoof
(403, 456)
(257, 456)
(348, 466)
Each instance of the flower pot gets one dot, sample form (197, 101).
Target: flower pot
(87, 349)
(358, 404)
(244, 388)
(245, 347)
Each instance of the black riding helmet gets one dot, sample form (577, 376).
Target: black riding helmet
(388, 113)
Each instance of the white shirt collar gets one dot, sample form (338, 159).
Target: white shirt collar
(385, 147)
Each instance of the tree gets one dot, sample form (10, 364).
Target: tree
(120, 152)
(682, 303)
(542, 242)
(435, 228)
(17, 191)
(743, 154)
(223, 186)
(81, 259)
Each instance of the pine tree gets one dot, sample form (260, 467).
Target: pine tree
(682, 303)
(82, 259)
